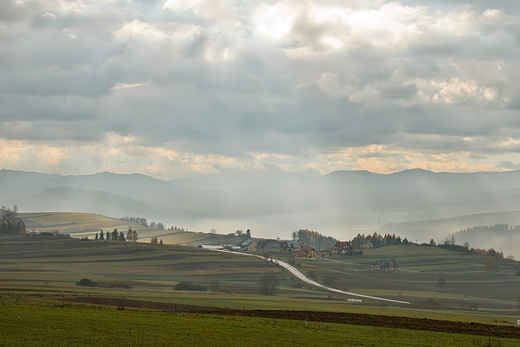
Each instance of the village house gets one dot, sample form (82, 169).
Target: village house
(306, 253)
(341, 247)
(386, 265)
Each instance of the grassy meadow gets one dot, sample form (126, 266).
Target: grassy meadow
(87, 326)
(151, 271)
(38, 276)
(468, 286)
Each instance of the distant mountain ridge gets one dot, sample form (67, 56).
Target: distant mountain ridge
(342, 202)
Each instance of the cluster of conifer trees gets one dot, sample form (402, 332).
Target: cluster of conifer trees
(313, 238)
(115, 235)
(376, 240)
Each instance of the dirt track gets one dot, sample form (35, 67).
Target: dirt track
(329, 317)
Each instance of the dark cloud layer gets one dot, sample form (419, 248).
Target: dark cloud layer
(275, 80)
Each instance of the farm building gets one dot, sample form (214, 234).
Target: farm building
(307, 253)
(386, 265)
(268, 246)
(292, 246)
(248, 245)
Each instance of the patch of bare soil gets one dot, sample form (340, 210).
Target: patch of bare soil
(328, 317)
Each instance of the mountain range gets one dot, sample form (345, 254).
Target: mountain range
(341, 204)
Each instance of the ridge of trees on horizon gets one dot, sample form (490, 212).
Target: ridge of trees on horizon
(376, 240)
(505, 229)
(142, 221)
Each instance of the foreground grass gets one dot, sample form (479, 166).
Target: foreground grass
(86, 326)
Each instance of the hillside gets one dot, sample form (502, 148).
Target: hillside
(340, 204)
(153, 270)
(440, 228)
(62, 261)
(80, 225)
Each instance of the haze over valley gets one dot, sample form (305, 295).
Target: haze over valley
(417, 204)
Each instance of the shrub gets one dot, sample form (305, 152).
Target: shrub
(121, 284)
(190, 286)
(85, 282)
(430, 302)
(268, 284)
(296, 283)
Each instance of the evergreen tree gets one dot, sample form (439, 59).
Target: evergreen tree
(115, 235)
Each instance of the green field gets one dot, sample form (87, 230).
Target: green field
(38, 272)
(153, 270)
(468, 286)
(85, 326)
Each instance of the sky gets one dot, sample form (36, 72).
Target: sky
(180, 88)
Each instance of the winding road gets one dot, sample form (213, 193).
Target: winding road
(295, 272)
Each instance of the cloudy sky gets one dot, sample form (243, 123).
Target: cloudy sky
(173, 88)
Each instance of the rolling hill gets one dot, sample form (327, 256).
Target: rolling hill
(80, 225)
(340, 204)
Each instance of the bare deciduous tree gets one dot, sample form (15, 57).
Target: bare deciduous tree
(268, 284)
(10, 224)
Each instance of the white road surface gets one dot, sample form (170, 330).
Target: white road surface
(295, 272)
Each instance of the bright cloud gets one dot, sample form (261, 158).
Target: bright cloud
(175, 87)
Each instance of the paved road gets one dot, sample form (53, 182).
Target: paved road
(295, 272)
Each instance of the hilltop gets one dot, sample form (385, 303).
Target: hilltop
(86, 225)
(439, 229)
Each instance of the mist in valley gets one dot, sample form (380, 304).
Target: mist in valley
(417, 204)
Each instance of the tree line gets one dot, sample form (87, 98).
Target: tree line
(313, 238)
(505, 229)
(115, 235)
(142, 221)
(377, 240)
(136, 220)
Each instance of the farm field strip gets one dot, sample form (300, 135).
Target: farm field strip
(153, 270)
(83, 326)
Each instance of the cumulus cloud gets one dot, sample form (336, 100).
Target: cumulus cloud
(206, 86)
